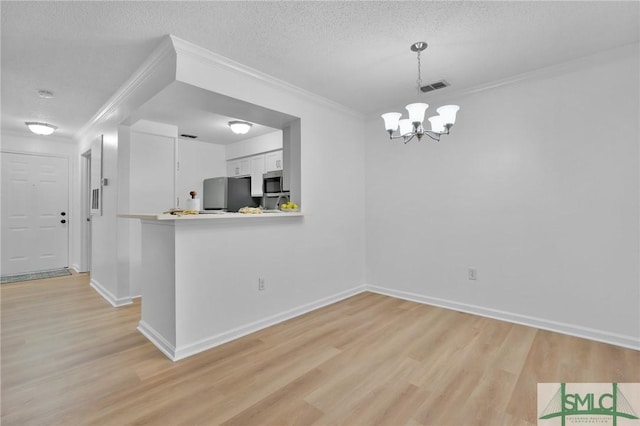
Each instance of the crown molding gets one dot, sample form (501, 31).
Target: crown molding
(128, 88)
(210, 58)
(561, 68)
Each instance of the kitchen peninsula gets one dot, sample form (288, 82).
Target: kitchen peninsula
(197, 294)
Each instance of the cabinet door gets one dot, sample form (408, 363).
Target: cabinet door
(273, 161)
(233, 168)
(241, 167)
(245, 166)
(257, 169)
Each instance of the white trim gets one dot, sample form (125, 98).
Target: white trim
(176, 354)
(146, 70)
(540, 73)
(210, 58)
(219, 339)
(540, 323)
(108, 296)
(156, 338)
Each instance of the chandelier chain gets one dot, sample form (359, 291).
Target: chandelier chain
(419, 81)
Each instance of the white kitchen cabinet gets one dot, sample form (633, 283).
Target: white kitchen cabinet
(273, 161)
(239, 167)
(257, 169)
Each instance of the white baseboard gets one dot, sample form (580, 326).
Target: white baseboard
(106, 294)
(219, 339)
(156, 338)
(559, 327)
(78, 269)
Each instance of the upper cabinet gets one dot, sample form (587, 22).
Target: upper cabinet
(273, 161)
(254, 166)
(239, 167)
(269, 162)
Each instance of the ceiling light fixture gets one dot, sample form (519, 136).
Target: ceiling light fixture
(40, 128)
(240, 127)
(410, 127)
(46, 94)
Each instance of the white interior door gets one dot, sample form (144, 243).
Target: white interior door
(35, 213)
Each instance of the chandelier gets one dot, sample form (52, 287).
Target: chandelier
(408, 128)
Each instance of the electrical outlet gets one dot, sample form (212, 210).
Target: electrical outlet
(260, 284)
(473, 274)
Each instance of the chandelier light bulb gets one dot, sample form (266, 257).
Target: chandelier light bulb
(406, 127)
(391, 120)
(437, 124)
(416, 112)
(448, 113)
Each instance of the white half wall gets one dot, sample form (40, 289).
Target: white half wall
(320, 257)
(537, 188)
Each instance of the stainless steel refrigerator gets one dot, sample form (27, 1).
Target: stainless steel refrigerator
(227, 194)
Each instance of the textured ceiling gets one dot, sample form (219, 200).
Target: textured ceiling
(355, 53)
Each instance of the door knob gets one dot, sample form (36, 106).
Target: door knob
(63, 221)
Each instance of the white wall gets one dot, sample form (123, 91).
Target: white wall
(256, 145)
(198, 161)
(55, 146)
(537, 187)
(104, 229)
(323, 254)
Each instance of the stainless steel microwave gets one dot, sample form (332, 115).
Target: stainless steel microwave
(272, 182)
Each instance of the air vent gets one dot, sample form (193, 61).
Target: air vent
(434, 86)
(184, 135)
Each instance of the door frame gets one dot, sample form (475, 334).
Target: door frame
(85, 211)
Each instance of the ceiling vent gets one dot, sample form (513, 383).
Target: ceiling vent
(184, 135)
(434, 86)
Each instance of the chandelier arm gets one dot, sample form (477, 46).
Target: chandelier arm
(433, 135)
(395, 136)
(405, 138)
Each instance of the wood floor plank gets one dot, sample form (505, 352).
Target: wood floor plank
(69, 358)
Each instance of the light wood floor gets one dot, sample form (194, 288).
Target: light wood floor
(70, 358)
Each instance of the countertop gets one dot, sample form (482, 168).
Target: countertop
(214, 216)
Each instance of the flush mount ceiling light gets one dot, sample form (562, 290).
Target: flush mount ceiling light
(46, 94)
(40, 128)
(240, 127)
(411, 127)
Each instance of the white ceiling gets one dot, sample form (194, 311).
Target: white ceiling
(355, 53)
